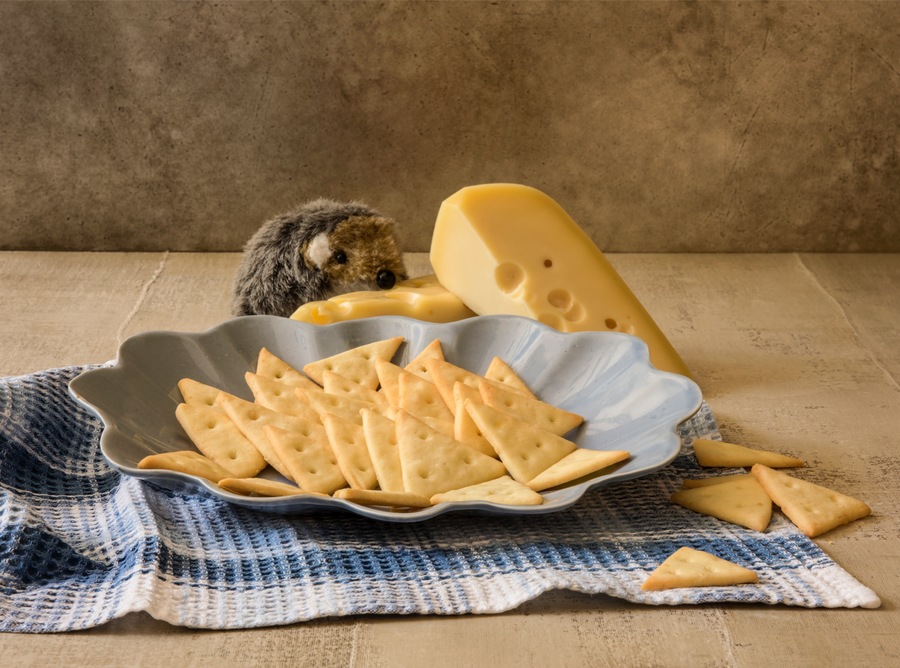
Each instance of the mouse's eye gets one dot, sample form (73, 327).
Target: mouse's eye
(340, 257)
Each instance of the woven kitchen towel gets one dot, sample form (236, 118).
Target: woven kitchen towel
(81, 544)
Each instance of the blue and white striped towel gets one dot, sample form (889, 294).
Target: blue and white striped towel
(81, 544)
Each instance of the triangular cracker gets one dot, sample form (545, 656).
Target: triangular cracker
(196, 393)
(343, 406)
(263, 487)
(687, 567)
(501, 372)
(389, 378)
(528, 409)
(421, 398)
(334, 383)
(464, 428)
(274, 368)
(577, 464)
(185, 461)
(380, 497)
(217, 437)
(417, 364)
(433, 463)
(720, 453)
(250, 418)
(276, 395)
(348, 442)
(503, 490)
(742, 501)
(308, 456)
(445, 375)
(812, 508)
(525, 449)
(357, 364)
(381, 440)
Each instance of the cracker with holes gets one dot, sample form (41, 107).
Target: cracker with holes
(263, 487)
(380, 497)
(528, 409)
(250, 418)
(577, 464)
(389, 378)
(381, 440)
(273, 367)
(357, 364)
(217, 437)
(740, 501)
(308, 456)
(464, 428)
(500, 372)
(185, 461)
(445, 375)
(276, 395)
(688, 567)
(421, 398)
(196, 393)
(417, 364)
(524, 449)
(720, 453)
(334, 383)
(433, 463)
(814, 509)
(348, 442)
(322, 402)
(502, 490)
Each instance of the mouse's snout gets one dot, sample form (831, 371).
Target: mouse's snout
(385, 279)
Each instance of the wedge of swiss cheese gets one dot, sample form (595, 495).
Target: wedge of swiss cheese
(504, 248)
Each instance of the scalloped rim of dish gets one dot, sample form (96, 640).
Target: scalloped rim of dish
(555, 500)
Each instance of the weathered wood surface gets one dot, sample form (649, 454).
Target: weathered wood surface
(794, 352)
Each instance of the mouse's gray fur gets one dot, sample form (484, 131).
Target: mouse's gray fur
(318, 250)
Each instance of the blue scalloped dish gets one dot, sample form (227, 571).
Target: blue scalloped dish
(604, 376)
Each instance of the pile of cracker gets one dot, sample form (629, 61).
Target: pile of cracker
(747, 499)
(356, 426)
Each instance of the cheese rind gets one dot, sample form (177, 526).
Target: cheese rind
(508, 248)
(423, 298)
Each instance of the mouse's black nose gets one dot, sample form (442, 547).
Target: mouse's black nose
(385, 279)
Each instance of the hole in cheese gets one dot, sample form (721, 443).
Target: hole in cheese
(561, 299)
(508, 276)
(611, 323)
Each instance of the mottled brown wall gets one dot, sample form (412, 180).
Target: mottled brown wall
(658, 126)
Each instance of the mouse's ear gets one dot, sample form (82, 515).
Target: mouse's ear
(317, 251)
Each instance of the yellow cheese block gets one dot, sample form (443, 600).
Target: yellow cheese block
(422, 298)
(508, 248)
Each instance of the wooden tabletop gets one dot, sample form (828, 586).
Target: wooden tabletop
(793, 352)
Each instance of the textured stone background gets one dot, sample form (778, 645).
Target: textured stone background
(659, 126)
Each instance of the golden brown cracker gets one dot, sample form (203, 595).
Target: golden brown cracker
(720, 453)
(348, 442)
(524, 449)
(688, 567)
(814, 509)
(357, 364)
(528, 409)
(503, 490)
(185, 461)
(742, 501)
(433, 463)
(217, 437)
(575, 465)
(307, 455)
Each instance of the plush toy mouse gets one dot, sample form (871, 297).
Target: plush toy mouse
(320, 249)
